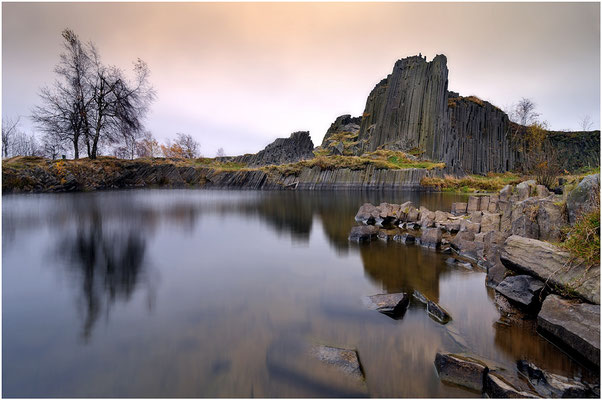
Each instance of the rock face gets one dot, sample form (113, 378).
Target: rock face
(412, 109)
(575, 325)
(297, 147)
(407, 110)
(549, 264)
(582, 199)
(341, 137)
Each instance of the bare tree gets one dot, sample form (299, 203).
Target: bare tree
(523, 112)
(52, 147)
(585, 123)
(9, 131)
(93, 101)
(221, 152)
(190, 147)
(25, 145)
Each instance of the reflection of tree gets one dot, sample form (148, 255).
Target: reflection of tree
(110, 265)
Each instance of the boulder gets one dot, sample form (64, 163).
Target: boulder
(551, 385)
(405, 238)
(461, 370)
(476, 216)
(413, 214)
(431, 237)
(550, 264)
(484, 203)
(473, 203)
(521, 289)
(505, 384)
(458, 208)
(525, 189)
(393, 304)
(437, 312)
(542, 191)
(441, 216)
(493, 203)
(506, 193)
(496, 274)
(363, 233)
(582, 199)
(490, 222)
(386, 234)
(574, 325)
(366, 214)
(467, 225)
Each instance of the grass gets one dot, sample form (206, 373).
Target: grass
(470, 183)
(380, 159)
(583, 239)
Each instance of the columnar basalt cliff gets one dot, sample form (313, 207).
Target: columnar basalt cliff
(412, 110)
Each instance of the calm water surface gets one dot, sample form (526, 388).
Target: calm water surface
(191, 293)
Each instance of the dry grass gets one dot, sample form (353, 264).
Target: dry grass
(470, 183)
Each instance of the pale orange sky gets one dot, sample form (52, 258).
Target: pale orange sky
(238, 75)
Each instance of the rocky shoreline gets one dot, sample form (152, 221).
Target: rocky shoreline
(49, 176)
(509, 236)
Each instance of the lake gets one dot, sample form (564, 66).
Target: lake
(195, 293)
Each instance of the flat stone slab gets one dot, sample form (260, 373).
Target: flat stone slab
(575, 325)
(549, 263)
(393, 304)
(345, 360)
(522, 289)
(461, 370)
(499, 384)
(551, 385)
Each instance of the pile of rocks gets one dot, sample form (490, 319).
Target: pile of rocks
(506, 234)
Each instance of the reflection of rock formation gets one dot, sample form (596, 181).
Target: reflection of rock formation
(400, 268)
(109, 264)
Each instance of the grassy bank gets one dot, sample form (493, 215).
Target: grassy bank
(492, 182)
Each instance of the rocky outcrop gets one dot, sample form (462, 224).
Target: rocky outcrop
(552, 265)
(341, 137)
(412, 110)
(297, 147)
(407, 110)
(575, 325)
(582, 199)
(521, 289)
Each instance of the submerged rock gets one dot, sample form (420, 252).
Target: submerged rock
(501, 384)
(420, 297)
(574, 325)
(522, 289)
(363, 233)
(393, 304)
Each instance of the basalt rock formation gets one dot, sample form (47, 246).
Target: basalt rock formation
(297, 147)
(412, 110)
(341, 137)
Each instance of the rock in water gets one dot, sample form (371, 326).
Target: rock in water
(437, 312)
(363, 233)
(552, 385)
(393, 305)
(295, 148)
(420, 297)
(431, 237)
(574, 325)
(522, 289)
(461, 370)
(501, 384)
(343, 359)
(405, 238)
(367, 213)
(549, 263)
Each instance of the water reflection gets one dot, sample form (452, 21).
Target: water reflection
(108, 265)
(233, 289)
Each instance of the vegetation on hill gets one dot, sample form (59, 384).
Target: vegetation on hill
(471, 183)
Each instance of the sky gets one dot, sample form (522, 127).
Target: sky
(239, 75)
